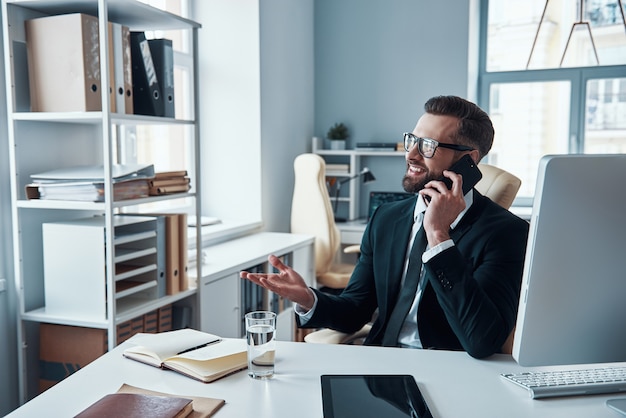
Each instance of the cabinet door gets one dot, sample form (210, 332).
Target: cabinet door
(219, 310)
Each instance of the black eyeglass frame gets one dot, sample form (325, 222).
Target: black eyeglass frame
(419, 141)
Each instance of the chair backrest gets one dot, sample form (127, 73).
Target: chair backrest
(311, 210)
(498, 185)
(501, 187)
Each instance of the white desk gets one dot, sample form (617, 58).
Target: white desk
(351, 231)
(454, 384)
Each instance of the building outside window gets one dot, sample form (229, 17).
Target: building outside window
(553, 78)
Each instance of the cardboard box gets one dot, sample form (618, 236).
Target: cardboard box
(65, 349)
(151, 322)
(165, 318)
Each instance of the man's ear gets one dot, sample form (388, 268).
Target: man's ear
(475, 156)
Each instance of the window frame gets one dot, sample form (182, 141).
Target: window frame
(576, 76)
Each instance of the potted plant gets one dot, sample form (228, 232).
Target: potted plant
(337, 135)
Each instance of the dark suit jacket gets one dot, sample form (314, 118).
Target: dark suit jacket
(471, 296)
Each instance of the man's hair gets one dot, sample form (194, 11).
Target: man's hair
(475, 128)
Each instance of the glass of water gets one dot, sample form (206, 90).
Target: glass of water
(261, 339)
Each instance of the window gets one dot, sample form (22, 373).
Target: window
(553, 81)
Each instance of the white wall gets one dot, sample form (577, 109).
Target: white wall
(256, 105)
(230, 114)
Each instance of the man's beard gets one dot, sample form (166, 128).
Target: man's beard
(411, 186)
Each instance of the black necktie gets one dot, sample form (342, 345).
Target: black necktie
(407, 293)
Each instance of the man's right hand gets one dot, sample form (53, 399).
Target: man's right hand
(286, 283)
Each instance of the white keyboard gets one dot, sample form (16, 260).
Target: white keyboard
(543, 384)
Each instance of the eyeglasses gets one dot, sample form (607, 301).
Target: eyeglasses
(428, 146)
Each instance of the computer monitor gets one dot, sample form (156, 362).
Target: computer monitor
(378, 198)
(572, 308)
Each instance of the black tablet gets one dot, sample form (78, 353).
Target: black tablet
(389, 396)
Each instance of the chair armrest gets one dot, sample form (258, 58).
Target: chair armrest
(352, 249)
(329, 336)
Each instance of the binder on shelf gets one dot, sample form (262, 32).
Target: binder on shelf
(64, 63)
(111, 84)
(147, 98)
(172, 251)
(122, 67)
(161, 256)
(163, 59)
(183, 256)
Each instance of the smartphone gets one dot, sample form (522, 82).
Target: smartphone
(468, 169)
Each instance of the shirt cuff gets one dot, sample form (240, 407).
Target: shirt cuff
(305, 316)
(439, 248)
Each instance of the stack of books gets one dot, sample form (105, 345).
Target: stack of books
(167, 182)
(86, 183)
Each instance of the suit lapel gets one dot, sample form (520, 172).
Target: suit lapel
(470, 217)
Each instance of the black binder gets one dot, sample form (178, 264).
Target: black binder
(147, 98)
(163, 59)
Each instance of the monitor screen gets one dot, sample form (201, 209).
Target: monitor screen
(572, 307)
(378, 198)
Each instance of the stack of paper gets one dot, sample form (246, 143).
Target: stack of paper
(86, 183)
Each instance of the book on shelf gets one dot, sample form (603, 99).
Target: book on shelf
(95, 173)
(195, 354)
(169, 182)
(87, 191)
(169, 174)
(337, 167)
(86, 183)
(136, 405)
(376, 146)
(203, 407)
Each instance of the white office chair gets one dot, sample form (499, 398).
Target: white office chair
(498, 185)
(312, 214)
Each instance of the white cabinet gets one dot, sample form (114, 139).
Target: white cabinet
(43, 141)
(75, 285)
(347, 203)
(220, 310)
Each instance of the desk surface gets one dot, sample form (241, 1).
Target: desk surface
(454, 384)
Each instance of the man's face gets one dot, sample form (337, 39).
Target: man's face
(421, 170)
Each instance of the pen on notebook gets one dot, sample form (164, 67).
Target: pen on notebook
(198, 347)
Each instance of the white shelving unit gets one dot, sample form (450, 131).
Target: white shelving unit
(41, 141)
(350, 192)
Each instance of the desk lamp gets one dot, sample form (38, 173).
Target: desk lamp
(368, 177)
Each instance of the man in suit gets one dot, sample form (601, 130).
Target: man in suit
(463, 289)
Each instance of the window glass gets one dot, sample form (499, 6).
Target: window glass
(605, 116)
(530, 120)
